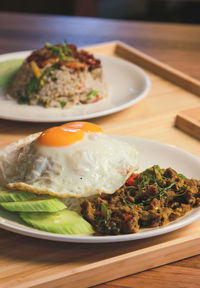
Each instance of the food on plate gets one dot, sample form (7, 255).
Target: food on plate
(14, 195)
(59, 76)
(151, 198)
(37, 205)
(72, 162)
(62, 222)
(74, 179)
(44, 213)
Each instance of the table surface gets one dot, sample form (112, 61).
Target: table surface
(175, 45)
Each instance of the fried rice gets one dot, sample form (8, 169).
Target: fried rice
(59, 76)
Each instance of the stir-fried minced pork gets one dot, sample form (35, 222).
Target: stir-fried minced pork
(152, 198)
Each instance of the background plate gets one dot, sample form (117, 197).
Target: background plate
(128, 84)
(150, 153)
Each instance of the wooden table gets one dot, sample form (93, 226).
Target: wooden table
(176, 45)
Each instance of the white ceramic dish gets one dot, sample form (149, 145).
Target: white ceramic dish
(150, 153)
(128, 84)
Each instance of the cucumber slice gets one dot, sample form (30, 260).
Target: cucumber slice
(62, 222)
(44, 205)
(8, 70)
(7, 195)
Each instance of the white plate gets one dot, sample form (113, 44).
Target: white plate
(150, 153)
(128, 84)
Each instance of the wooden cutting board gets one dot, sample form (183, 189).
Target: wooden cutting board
(28, 262)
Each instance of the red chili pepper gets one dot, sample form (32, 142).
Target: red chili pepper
(131, 180)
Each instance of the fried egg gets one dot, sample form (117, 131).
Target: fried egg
(76, 159)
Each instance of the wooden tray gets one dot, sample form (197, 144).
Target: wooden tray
(28, 262)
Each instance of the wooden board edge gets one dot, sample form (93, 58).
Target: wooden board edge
(147, 62)
(187, 125)
(161, 69)
(124, 265)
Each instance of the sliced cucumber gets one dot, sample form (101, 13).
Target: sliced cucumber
(62, 222)
(7, 195)
(8, 69)
(44, 205)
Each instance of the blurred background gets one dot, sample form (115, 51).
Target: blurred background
(177, 11)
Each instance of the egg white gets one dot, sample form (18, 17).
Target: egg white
(96, 164)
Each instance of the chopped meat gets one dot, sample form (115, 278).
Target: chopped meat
(72, 57)
(157, 197)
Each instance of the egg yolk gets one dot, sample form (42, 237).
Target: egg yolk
(60, 136)
(84, 126)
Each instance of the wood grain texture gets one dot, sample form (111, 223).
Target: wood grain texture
(167, 276)
(24, 260)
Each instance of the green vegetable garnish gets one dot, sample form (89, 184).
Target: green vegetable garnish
(151, 177)
(181, 176)
(62, 104)
(32, 87)
(57, 51)
(91, 94)
(61, 52)
(67, 50)
(170, 186)
(105, 211)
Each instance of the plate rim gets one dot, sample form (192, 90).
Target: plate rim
(105, 112)
(151, 232)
